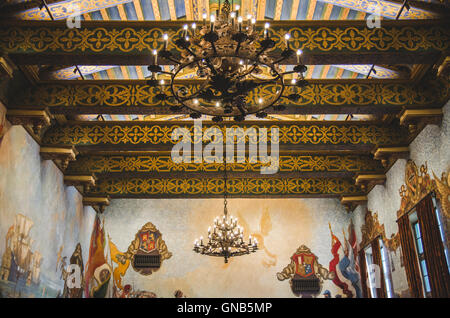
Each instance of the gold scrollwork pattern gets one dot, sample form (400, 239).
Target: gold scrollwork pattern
(176, 187)
(128, 38)
(418, 184)
(125, 133)
(315, 94)
(371, 229)
(162, 163)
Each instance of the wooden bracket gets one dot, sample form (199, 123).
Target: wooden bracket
(97, 203)
(85, 181)
(36, 118)
(60, 154)
(367, 181)
(351, 202)
(389, 154)
(414, 117)
(6, 68)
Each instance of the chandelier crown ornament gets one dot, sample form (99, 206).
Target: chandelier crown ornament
(232, 58)
(226, 237)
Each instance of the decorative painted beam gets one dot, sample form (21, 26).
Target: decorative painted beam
(130, 43)
(305, 137)
(152, 165)
(214, 187)
(319, 97)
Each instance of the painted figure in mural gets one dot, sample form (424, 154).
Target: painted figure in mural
(98, 271)
(344, 264)
(265, 226)
(305, 273)
(100, 282)
(75, 259)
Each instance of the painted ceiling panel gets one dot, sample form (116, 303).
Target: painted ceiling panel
(147, 9)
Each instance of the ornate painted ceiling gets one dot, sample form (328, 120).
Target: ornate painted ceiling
(338, 139)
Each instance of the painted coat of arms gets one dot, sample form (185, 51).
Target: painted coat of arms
(145, 253)
(305, 273)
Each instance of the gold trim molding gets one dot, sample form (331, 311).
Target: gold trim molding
(372, 228)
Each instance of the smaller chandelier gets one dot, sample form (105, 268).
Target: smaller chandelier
(226, 237)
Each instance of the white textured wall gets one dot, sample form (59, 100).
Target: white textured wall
(432, 146)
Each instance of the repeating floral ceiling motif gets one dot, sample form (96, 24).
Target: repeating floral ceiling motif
(193, 10)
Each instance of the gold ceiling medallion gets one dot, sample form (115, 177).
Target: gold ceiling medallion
(417, 186)
(371, 229)
(147, 251)
(305, 273)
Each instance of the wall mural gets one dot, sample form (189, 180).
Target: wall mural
(2, 123)
(20, 269)
(265, 226)
(75, 259)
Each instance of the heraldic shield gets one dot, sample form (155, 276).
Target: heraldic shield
(148, 250)
(305, 280)
(305, 273)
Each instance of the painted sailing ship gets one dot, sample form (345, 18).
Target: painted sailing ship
(19, 263)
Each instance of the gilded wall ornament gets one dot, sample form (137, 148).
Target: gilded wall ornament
(147, 251)
(371, 229)
(305, 273)
(443, 191)
(417, 186)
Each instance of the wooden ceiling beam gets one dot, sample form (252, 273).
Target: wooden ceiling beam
(310, 136)
(129, 42)
(376, 97)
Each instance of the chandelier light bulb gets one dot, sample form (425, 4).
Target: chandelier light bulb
(239, 19)
(165, 37)
(299, 52)
(266, 25)
(253, 20)
(293, 81)
(194, 26)
(237, 7)
(204, 15)
(213, 18)
(249, 16)
(233, 15)
(260, 101)
(161, 82)
(196, 103)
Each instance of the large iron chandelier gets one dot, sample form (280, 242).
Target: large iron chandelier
(226, 237)
(231, 56)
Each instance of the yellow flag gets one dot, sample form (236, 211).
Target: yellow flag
(121, 269)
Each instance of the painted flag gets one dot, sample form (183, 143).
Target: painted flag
(96, 276)
(347, 266)
(353, 244)
(339, 278)
(121, 269)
